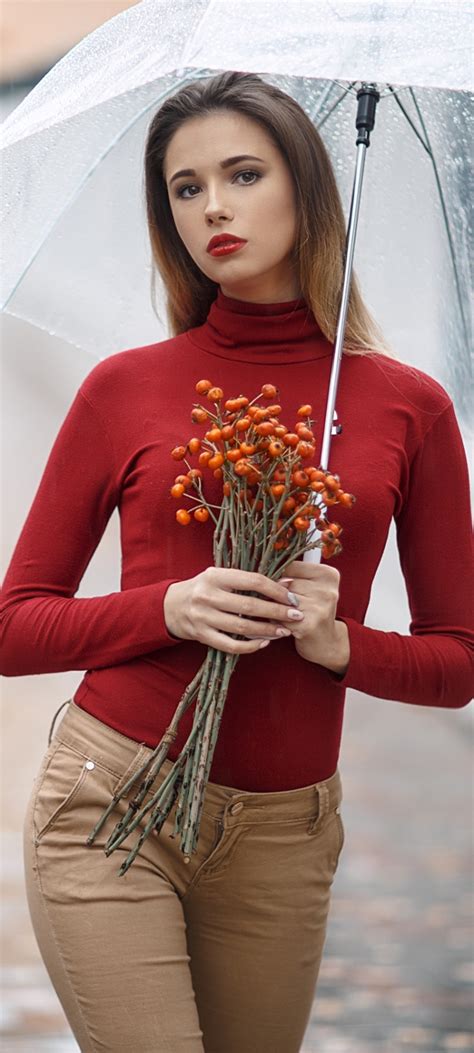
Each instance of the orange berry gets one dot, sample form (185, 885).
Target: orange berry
(265, 428)
(216, 461)
(195, 473)
(259, 415)
(203, 386)
(305, 449)
(304, 411)
(217, 473)
(301, 523)
(303, 432)
(228, 432)
(183, 479)
(332, 482)
(194, 445)
(177, 490)
(269, 391)
(183, 517)
(290, 439)
(231, 404)
(280, 430)
(178, 453)
(277, 489)
(242, 467)
(274, 411)
(347, 500)
(300, 477)
(201, 514)
(233, 455)
(243, 424)
(317, 487)
(227, 489)
(242, 401)
(198, 416)
(247, 449)
(288, 506)
(204, 458)
(215, 394)
(213, 435)
(276, 449)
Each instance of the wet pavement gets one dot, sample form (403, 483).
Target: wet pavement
(397, 973)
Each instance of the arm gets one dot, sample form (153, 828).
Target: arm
(44, 629)
(434, 665)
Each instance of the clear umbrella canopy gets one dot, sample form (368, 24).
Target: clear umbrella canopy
(76, 259)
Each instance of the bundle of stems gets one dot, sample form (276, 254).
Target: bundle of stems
(270, 502)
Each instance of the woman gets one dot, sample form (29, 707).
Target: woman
(223, 954)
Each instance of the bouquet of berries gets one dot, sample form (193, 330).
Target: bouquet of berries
(273, 501)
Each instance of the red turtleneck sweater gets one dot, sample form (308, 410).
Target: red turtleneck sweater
(400, 453)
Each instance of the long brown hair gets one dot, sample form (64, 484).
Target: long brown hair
(321, 229)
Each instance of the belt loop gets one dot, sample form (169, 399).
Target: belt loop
(66, 703)
(323, 794)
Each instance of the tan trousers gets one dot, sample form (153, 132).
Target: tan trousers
(218, 955)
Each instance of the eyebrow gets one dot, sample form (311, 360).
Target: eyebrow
(224, 164)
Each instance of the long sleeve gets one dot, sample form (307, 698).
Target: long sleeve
(44, 629)
(434, 665)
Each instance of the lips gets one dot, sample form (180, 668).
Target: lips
(224, 239)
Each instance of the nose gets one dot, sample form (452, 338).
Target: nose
(216, 209)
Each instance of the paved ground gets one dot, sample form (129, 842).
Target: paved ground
(398, 965)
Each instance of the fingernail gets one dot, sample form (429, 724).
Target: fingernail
(286, 581)
(264, 643)
(293, 599)
(295, 614)
(282, 632)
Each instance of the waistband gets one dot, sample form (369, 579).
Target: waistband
(121, 756)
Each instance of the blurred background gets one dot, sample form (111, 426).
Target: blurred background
(398, 967)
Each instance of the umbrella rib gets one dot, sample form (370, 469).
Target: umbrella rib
(429, 151)
(337, 102)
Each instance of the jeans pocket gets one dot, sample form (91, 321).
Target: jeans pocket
(341, 832)
(63, 777)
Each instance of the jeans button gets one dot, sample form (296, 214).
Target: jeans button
(236, 808)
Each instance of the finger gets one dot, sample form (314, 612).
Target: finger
(253, 607)
(231, 646)
(246, 627)
(229, 579)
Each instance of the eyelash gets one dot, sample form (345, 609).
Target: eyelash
(246, 171)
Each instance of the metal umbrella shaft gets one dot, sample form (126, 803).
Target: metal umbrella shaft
(368, 97)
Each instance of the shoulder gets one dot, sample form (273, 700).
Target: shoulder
(405, 385)
(127, 372)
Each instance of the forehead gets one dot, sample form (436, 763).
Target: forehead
(205, 139)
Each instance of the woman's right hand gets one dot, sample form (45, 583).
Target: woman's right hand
(207, 607)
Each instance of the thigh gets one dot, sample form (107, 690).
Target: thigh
(115, 947)
(256, 918)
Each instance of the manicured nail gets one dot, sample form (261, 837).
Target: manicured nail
(286, 581)
(282, 632)
(264, 643)
(293, 599)
(295, 614)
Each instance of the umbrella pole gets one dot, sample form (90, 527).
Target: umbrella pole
(368, 97)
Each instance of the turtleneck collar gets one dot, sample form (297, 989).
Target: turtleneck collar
(261, 332)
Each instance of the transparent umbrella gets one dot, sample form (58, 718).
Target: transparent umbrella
(75, 255)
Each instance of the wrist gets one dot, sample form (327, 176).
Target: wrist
(169, 610)
(339, 660)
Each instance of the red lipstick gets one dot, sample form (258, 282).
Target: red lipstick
(223, 244)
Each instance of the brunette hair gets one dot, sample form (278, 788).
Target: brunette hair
(321, 229)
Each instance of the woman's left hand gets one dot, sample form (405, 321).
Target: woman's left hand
(318, 636)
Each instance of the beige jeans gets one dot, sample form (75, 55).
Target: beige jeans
(218, 955)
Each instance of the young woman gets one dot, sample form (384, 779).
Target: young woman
(222, 954)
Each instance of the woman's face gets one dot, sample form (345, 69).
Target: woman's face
(251, 199)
